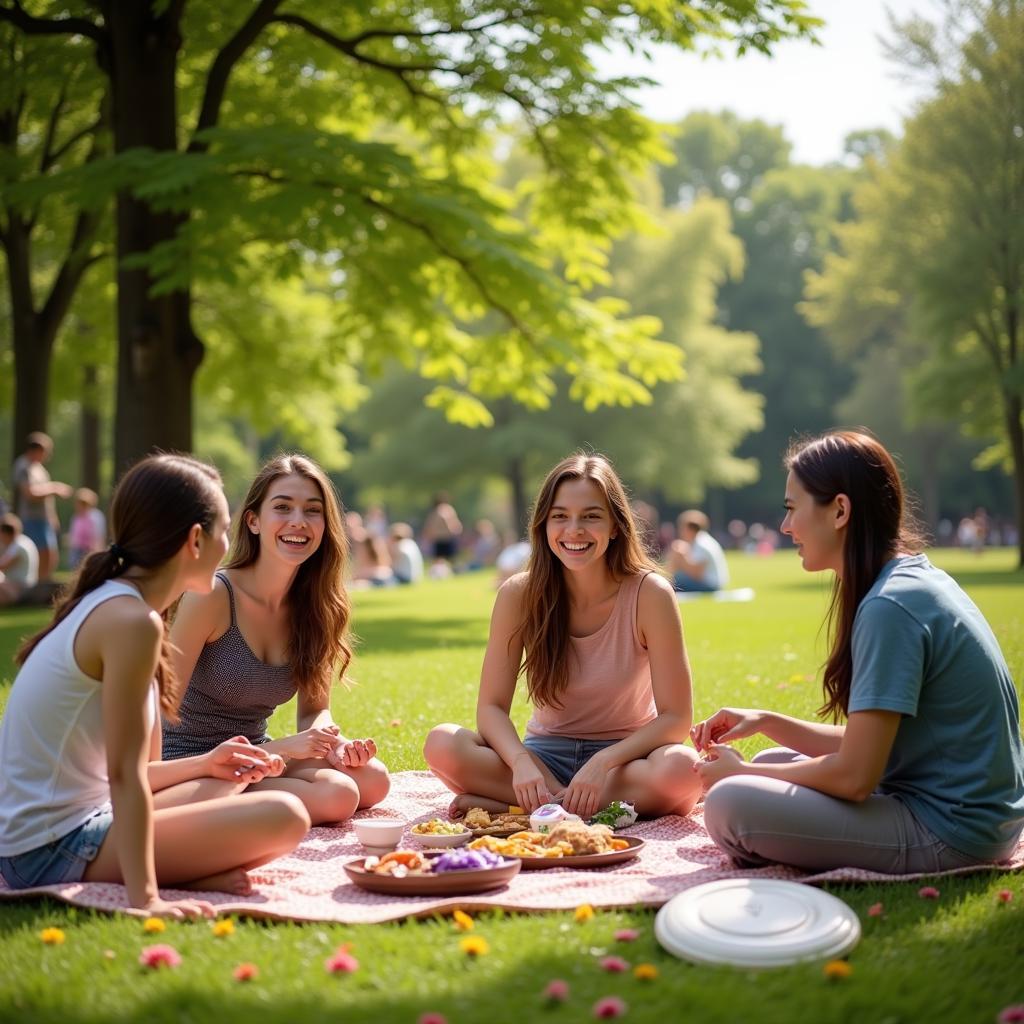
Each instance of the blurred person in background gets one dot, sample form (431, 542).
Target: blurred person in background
(696, 560)
(406, 557)
(19, 560)
(88, 530)
(441, 532)
(35, 495)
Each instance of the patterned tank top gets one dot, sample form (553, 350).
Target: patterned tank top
(231, 693)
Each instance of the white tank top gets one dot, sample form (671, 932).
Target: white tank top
(53, 758)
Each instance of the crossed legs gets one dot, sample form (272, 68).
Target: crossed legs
(211, 844)
(330, 794)
(663, 782)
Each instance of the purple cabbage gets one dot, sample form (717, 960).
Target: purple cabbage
(466, 860)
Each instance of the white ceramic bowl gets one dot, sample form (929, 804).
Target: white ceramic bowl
(435, 842)
(379, 833)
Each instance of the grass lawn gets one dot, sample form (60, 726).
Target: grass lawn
(959, 958)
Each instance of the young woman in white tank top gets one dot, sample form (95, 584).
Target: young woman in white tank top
(83, 794)
(595, 630)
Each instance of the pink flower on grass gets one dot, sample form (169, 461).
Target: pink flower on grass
(341, 962)
(1004, 896)
(928, 892)
(159, 956)
(1011, 1014)
(432, 1018)
(876, 910)
(556, 991)
(245, 972)
(627, 935)
(614, 965)
(609, 1006)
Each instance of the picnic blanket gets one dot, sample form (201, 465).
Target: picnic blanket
(310, 885)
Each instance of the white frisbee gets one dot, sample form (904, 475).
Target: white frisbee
(756, 922)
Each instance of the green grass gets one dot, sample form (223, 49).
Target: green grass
(957, 959)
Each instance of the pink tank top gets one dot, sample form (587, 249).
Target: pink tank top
(609, 695)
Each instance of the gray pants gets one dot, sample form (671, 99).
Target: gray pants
(760, 821)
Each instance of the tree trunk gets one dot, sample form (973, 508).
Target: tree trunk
(33, 343)
(1015, 433)
(90, 429)
(930, 446)
(519, 500)
(158, 351)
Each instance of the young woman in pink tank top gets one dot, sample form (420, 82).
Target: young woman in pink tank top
(595, 631)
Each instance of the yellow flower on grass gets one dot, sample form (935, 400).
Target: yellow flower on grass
(223, 927)
(837, 969)
(153, 925)
(52, 936)
(462, 921)
(645, 972)
(473, 945)
(584, 912)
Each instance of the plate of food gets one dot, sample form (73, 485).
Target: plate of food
(481, 823)
(569, 844)
(437, 833)
(439, 873)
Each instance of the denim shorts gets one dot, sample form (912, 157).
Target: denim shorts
(563, 755)
(684, 583)
(41, 533)
(63, 860)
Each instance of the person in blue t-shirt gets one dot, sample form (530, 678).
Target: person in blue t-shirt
(927, 774)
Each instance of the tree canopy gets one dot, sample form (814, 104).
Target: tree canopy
(935, 258)
(352, 148)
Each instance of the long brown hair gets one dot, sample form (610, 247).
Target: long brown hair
(545, 628)
(155, 505)
(854, 463)
(318, 605)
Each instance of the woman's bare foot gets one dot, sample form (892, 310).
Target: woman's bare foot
(464, 801)
(236, 882)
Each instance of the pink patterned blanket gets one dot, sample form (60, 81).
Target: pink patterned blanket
(309, 884)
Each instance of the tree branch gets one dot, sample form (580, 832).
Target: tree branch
(77, 137)
(350, 47)
(447, 30)
(21, 19)
(76, 262)
(445, 250)
(464, 264)
(45, 161)
(223, 64)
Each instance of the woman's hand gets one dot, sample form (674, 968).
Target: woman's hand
(719, 763)
(179, 910)
(725, 725)
(352, 753)
(238, 760)
(317, 742)
(528, 783)
(583, 794)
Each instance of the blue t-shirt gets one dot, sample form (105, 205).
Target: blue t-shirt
(922, 648)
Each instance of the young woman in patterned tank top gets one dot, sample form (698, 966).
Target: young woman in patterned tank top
(595, 630)
(287, 610)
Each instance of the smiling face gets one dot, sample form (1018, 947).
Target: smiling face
(579, 524)
(290, 520)
(819, 531)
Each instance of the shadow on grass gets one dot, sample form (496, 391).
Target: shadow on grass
(407, 634)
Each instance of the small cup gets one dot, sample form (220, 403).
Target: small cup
(379, 834)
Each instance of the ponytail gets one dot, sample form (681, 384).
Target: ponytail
(153, 508)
